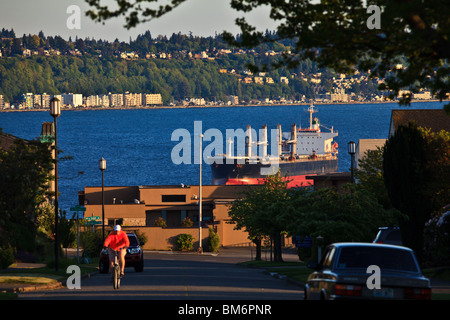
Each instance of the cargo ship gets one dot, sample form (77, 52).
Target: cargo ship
(296, 154)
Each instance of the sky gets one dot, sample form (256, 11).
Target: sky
(201, 17)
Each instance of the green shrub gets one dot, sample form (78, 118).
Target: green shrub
(304, 253)
(142, 237)
(160, 222)
(6, 257)
(187, 222)
(91, 242)
(185, 242)
(214, 240)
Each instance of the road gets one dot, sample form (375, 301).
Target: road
(183, 277)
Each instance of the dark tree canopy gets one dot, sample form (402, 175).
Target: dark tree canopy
(341, 34)
(416, 170)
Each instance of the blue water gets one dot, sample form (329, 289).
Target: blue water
(137, 143)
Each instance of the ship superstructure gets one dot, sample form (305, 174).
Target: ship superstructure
(296, 154)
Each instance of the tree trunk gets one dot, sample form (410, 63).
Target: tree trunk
(257, 242)
(277, 248)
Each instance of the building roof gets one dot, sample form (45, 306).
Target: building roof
(7, 141)
(434, 119)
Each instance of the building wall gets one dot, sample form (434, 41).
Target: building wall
(159, 238)
(93, 195)
(365, 145)
(138, 207)
(131, 214)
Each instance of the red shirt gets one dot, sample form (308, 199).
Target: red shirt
(117, 240)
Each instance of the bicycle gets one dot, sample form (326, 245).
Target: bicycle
(116, 271)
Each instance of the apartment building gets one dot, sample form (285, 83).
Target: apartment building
(74, 100)
(151, 99)
(116, 99)
(132, 99)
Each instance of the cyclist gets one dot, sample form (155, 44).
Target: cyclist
(117, 240)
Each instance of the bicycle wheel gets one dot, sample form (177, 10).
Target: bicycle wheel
(116, 279)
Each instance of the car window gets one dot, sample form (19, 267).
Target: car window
(133, 241)
(385, 258)
(328, 257)
(394, 236)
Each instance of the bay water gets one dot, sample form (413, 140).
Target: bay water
(137, 143)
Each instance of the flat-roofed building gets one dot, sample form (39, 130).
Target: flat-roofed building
(151, 99)
(138, 207)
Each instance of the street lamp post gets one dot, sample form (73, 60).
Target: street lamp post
(102, 167)
(352, 151)
(200, 216)
(55, 112)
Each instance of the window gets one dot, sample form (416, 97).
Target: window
(113, 222)
(385, 258)
(328, 257)
(173, 198)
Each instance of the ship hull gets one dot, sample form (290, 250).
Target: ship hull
(250, 173)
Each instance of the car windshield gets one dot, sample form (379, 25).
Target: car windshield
(385, 258)
(133, 241)
(394, 236)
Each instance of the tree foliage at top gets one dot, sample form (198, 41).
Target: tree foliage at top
(336, 34)
(259, 210)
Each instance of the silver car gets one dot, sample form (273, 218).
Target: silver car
(367, 271)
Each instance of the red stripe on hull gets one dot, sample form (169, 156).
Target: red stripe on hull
(295, 181)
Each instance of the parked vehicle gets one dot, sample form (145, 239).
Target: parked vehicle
(389, 235)
(134, 257)
(343, 273)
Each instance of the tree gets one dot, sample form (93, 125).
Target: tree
(370, 175)
(25, 170)
(343, 35)
(437, 146)
(241, 213)
(406, 178)
(259, 210)
(353, 215)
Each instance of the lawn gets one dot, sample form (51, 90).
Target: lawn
(42, 275)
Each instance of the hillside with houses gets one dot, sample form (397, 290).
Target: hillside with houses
(180, 70)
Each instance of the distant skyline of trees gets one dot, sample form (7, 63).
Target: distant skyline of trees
(99, 70)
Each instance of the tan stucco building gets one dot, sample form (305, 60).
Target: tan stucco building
(137, 207)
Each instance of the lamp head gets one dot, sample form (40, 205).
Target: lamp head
(352, 147)
(55, 107)
(102, 164)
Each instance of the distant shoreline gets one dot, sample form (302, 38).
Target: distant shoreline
(214, 106)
